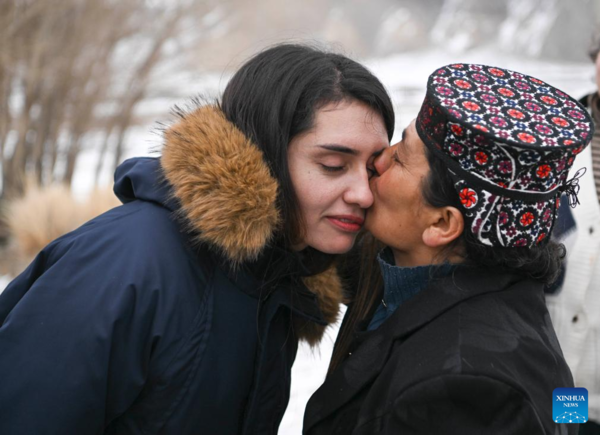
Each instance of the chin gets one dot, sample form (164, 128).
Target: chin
(380, 237)
(335, 245)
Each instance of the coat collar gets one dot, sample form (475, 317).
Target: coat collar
(228, 200)
(372, 353)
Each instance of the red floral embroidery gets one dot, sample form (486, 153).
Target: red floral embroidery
(497, 72)
(456, 129)
(526, 137)
(468, 197)
(549, 100)
(516, 113)
(521, 242)
(470, 105)
(561, 122)
(539, 82)
(527, 219)
(506, 92)
(543, 171)
(481, 157)
(463, 84)
(481, 127)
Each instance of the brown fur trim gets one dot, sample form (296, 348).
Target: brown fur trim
(225, 188)
(328, 289)
(228, 197)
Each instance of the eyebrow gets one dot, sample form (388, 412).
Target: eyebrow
(339, 149)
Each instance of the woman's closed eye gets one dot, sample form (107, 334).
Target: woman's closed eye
(396, 158)
(327, 168)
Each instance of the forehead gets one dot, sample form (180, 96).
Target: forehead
(351, 122)
(411, 142)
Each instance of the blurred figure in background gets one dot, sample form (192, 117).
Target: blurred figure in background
(575, 304)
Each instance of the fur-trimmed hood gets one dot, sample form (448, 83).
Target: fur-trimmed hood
(228, 197)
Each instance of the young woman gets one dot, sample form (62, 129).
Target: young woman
(180, 311)
(459, 340)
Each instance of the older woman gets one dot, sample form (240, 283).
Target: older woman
(459, 340)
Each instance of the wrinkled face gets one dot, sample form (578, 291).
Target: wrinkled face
(399, 215)
(329, 168)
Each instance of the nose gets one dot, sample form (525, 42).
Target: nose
(359, 192)
(384, 160)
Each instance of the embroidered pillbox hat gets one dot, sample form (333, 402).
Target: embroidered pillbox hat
(508, 141)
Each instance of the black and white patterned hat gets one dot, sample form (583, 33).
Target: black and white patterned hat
(509, 141)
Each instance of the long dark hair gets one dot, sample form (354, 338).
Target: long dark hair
(274, 96)
(541, 263)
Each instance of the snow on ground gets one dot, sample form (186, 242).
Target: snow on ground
(4, 281)
(405, 76)
(308, 373)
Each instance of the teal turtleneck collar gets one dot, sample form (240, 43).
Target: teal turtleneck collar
(402, 283)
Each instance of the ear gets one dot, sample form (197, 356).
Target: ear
(447, 224)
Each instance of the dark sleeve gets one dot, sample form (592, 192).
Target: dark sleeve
(463, 404)
(80, 336)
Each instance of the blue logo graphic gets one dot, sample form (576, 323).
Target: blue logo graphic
(570, 405)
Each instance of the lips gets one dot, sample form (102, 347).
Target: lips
(347, 223)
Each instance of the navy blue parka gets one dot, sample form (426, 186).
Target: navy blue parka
(174, 313)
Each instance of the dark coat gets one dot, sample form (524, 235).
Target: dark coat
(474, 353)
(170, 314)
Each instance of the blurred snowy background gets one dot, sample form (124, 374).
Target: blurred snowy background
(84, 83)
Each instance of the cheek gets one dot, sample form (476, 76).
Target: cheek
(398, 200)
(314, 197)
(302, 182)
(389, 191)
